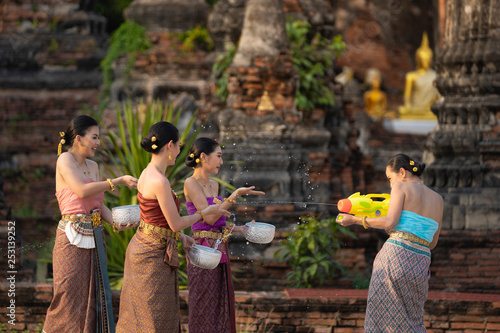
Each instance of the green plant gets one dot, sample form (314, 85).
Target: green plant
(129, 39)
(197, 37)
(310, 249)
(219, 69)
(131, 159)
(311, 58)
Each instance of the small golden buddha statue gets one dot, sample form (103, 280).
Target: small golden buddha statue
(265, 103)
(375, 99)
(420, 92)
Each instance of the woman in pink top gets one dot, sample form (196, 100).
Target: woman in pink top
(81, 302)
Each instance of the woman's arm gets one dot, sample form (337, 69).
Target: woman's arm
(161, 188)
(237, 193)
(194, 192)
(106, 214)
(68, 171)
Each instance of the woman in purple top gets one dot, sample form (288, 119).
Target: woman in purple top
(211, 294)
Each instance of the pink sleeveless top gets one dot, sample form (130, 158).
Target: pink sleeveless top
(71, 204)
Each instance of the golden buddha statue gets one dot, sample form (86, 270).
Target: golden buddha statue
(375, 99)
(420, 92)
(265, 103)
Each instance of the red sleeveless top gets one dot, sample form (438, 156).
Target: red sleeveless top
(151, 211)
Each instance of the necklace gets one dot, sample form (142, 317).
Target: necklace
(216, 200)
(87, 173)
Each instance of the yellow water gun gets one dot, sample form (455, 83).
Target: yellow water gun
(370, 205)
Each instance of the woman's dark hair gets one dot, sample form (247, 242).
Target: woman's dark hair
(404, 161)
(201, 145)
(159, 135)
(78, 126)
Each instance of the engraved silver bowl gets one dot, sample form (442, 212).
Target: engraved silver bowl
(126, 214)
(204, 256)
(260, 233)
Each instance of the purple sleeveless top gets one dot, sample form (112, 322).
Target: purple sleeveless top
(220, 223)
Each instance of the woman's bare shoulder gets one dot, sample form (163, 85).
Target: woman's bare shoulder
(151, 181)
(435, 195)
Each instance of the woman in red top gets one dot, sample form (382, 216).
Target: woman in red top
(150, 294)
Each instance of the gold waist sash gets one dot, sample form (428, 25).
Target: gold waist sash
(161, 230)
(409, 237)
(95, 218)
(207, 234)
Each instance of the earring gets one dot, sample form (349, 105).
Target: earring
(169, 156)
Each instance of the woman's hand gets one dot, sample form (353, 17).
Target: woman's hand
(128, 180)
(121, 227)
(248, 191)
(242, 229)
(213, 212)
(187, 243)
(345, 220)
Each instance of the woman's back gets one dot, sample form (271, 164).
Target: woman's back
(422, 201)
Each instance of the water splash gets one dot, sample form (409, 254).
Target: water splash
(299, 203)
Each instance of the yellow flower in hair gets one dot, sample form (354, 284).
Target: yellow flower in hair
(412, 163)
(415, 169)
(153, 139)
(197, 160)
(154, 147)
(192, 155)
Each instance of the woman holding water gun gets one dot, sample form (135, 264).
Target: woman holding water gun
(399, 282)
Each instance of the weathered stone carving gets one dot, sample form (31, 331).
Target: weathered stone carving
(465, 149)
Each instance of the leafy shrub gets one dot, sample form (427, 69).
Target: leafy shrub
(129, 39)
(312, 57)
(220, 73)
(197, 37)
(310, 249)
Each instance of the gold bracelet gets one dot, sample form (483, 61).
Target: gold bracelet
(230, 200)
(363, 220)
(202, 216)
(111, 184)
(114, 228)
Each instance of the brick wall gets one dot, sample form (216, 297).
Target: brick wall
(294, 310)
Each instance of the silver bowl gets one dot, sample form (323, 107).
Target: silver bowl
(260, 233)
(204, 256)
(126, 214)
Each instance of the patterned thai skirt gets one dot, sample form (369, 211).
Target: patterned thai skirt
(211, 296)
(398, 288)
(82, 297)
(149, 299)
